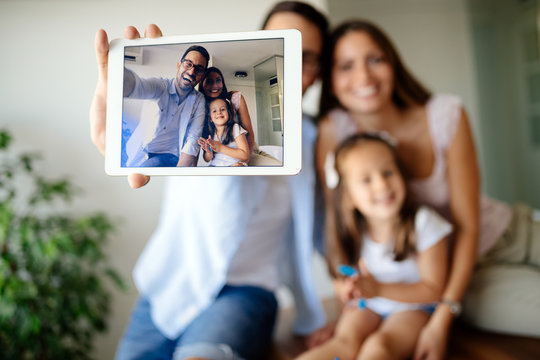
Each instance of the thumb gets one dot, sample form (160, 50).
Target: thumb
(101, 44)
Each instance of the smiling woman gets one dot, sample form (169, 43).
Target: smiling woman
(362, 74)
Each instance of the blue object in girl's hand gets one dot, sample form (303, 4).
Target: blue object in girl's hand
(347, 270)
(361, 303)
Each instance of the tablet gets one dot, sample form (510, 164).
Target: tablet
(193, 105)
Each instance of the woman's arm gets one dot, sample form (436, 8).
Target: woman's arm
(245, 121)
(241, 153)
(464, 180)
(432, 265)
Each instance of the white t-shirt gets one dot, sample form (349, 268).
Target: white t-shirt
(256, 259)
(221, 159)
(430, 228)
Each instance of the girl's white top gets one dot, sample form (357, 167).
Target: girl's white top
(430, 228)
(220, 159)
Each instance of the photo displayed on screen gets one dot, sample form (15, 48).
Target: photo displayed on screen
(203, 104)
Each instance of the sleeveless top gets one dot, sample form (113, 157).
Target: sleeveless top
(443, 113)
(236, 97)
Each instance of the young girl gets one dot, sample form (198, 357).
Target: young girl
(399, 250)
(226, 144)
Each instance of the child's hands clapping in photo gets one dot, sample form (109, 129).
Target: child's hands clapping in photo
(210, 144)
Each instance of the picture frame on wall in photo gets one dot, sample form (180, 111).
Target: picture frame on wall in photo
(212, 104)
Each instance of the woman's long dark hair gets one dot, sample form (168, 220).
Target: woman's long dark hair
(407, 91)
(345, 240)
(211, 127)
(225, 95)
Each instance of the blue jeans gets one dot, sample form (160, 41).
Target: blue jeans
(238, 325)
(154, 160)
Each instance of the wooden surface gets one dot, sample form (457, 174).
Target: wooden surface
(469, 343)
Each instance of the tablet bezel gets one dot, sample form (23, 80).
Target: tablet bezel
(292, 104)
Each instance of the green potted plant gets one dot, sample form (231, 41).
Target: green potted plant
(52, 296)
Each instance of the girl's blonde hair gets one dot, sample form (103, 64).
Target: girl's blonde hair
(345, 238)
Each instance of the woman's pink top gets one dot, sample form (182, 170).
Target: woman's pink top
(236, 98)
(443, 113)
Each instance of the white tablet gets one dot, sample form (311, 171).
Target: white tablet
(197, 104)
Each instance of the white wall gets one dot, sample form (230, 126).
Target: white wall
(48, 73)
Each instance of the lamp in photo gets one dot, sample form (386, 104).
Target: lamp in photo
(240, 74)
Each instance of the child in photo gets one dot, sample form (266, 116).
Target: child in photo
(398, 249)
(226, 144)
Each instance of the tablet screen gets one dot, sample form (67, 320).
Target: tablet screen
(217, 104)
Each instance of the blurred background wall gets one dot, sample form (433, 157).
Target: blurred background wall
(484, 51)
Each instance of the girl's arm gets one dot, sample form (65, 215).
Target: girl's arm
(245, 121)
(432, 265)
(464, 179)
(241, 153)
(208, 155)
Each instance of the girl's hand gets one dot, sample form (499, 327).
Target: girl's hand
(345, 289)
(204, 144)
(365, 284)
(214, 144)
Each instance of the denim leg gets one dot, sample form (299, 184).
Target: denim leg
(156, 160)
(142, 340)
(240, 322)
